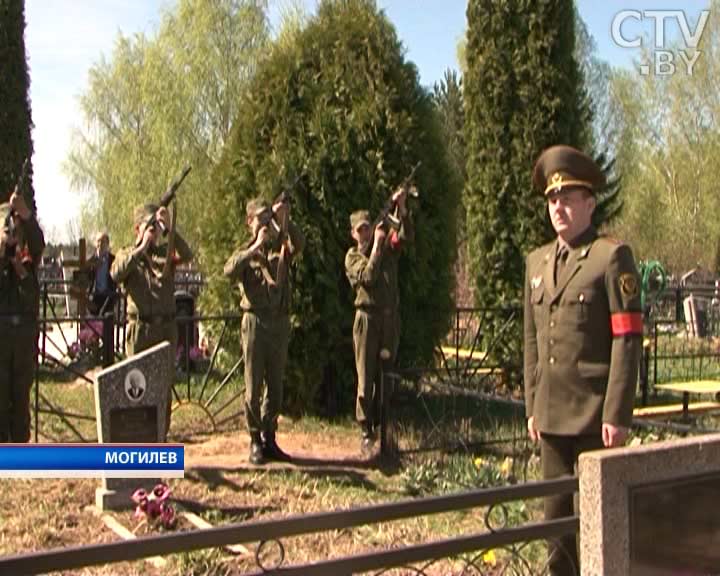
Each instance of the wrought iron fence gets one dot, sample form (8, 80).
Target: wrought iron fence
(511, 545)
(207, 388)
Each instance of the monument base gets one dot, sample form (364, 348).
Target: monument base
(116, 493)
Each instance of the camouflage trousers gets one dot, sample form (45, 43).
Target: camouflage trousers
(376, 336)
(264, 343)
(18, 355)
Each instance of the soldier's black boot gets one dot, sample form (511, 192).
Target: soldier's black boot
(271, 450)
(256, 450)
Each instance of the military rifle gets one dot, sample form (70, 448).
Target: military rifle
(387, 216)
(166, 199)
(286, 197)
(10, 250)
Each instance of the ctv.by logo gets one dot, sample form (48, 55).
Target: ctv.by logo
(663, 61)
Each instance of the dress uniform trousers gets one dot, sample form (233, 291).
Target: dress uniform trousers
(559, 455)
(265, 337)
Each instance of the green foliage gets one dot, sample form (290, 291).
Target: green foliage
(15, 117)
(337, 104)
(160, 103)
(457, 473)
(667, 142)
(448, 100)
(523, 93)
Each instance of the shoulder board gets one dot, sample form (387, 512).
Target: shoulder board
(611, 240)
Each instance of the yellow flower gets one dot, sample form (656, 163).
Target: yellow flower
(489, 558)
(506, 466)
(479, 462)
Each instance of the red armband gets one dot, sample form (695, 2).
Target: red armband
(25, 256)
(624, 323)
(394, 240)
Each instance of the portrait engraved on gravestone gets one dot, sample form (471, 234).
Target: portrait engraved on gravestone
(135, 385)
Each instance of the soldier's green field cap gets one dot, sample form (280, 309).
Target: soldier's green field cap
(256, 207)
(358, 218)
(563, 166)
(142, 214)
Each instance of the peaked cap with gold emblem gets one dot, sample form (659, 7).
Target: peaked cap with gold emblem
(561, 166)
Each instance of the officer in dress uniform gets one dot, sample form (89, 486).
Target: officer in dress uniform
(582, 333)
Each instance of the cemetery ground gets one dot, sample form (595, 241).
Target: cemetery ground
(328, 472)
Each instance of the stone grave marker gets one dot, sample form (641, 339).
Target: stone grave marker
(131, 406)
(651, 509)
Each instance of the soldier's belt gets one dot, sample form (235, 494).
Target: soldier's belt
(152, 319)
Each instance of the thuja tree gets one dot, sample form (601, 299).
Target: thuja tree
(337, 105)
(15, 117)
(523, 92)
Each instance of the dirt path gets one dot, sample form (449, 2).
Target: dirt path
(340, 451)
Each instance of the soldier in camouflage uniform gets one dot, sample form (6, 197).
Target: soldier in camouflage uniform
(373, 274)
(261, 268)
(583, 332)
(20, 254)
(147, 273)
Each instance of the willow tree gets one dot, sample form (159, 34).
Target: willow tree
(160, 102)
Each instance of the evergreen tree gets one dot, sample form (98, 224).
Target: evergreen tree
(15, 118)
(448, 100)
(337, 104)
(523, 93)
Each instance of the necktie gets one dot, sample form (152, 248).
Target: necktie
(560, 262)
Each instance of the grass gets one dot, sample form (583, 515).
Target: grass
(330, 475)
(223, 489)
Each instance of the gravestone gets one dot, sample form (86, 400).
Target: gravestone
(696, 316)
(651, 509)
(131, 404)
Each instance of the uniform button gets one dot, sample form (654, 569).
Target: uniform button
(552, 342)
(552, 323)
(552, 359)
(581, 297)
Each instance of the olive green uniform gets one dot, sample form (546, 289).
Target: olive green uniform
(583, 338)
(376, 330)
(151, 295)
(19, 306)
(265, 328)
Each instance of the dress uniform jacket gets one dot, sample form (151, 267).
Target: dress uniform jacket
(582, 336)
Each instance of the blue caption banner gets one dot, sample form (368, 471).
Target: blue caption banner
(92, 461)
